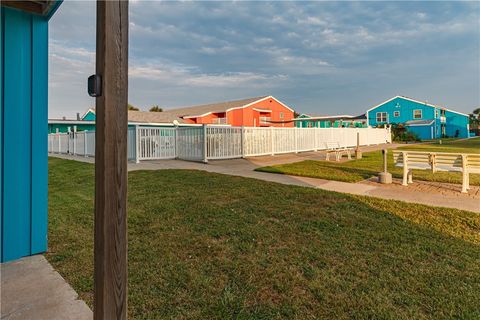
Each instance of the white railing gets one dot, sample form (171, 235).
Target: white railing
(265, 120)
(155, 143)
(219, 142)
(191, 143)
(219, 121)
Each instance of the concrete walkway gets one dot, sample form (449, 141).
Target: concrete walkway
(32, 289)
(433, 194)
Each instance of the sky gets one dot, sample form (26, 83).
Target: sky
(317, 57)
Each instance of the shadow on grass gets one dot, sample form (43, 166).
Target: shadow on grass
(205, 245)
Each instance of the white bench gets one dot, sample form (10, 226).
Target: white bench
(334, 147)
(437, 161)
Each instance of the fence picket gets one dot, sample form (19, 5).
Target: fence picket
(219, 142)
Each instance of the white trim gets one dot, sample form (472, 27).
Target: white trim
(413, 100)
(381, 117)
(263, 99)
(262, 110)
(324, 117)
(241, 107)
(86, 112)
(421, 114)
(53, 121)
(419, 125)
(133, 123)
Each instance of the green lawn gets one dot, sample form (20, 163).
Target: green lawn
(463, 146)
(372, 163)
(210, 246)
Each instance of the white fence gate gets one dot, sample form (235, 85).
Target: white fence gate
(201, 143)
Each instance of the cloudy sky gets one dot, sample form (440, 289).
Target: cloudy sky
(318, 57)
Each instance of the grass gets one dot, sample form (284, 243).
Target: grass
(211, 246)
(372, 163)
(458, 146)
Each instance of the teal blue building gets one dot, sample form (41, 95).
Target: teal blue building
(23, 122)
(342, 121)
(426, 120)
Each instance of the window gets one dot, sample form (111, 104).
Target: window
(381, 117)
(417, 114)
(436, 113)
(281, 115)
(396, 113)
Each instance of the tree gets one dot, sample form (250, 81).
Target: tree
(156, 108)
(132, 108)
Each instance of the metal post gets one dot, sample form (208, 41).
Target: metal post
(385, 177)
(358, 153)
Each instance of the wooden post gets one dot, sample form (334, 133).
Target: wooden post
(110, 251)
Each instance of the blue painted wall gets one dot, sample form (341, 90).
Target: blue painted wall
(405, 108)
(24, 166)
(423, 132)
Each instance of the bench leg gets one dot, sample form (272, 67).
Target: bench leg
(464, 182)
(349, 155)
(410, 176)
(405, 176)
(327, 156)
(339, 156)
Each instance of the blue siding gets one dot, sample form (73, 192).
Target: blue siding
(405, 108)
(456, 122)
(423, 132)
(24, 123)
(39, 139)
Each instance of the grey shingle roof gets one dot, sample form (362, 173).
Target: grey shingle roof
(168, 116)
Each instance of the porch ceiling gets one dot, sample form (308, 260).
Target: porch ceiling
(39, 7)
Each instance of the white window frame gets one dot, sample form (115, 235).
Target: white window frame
(281, 115)
(380, 115)
(421, 114)
(396, 114)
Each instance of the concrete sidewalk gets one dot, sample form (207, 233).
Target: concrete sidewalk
(32, 289)
(433, 194)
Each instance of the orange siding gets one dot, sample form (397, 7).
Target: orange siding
(251, 118)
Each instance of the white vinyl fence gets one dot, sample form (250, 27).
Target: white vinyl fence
(203, 143)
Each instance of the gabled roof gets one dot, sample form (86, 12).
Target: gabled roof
(154, 117)
(179, 114)
(89, 110)
(417, 101)
(205, 109)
